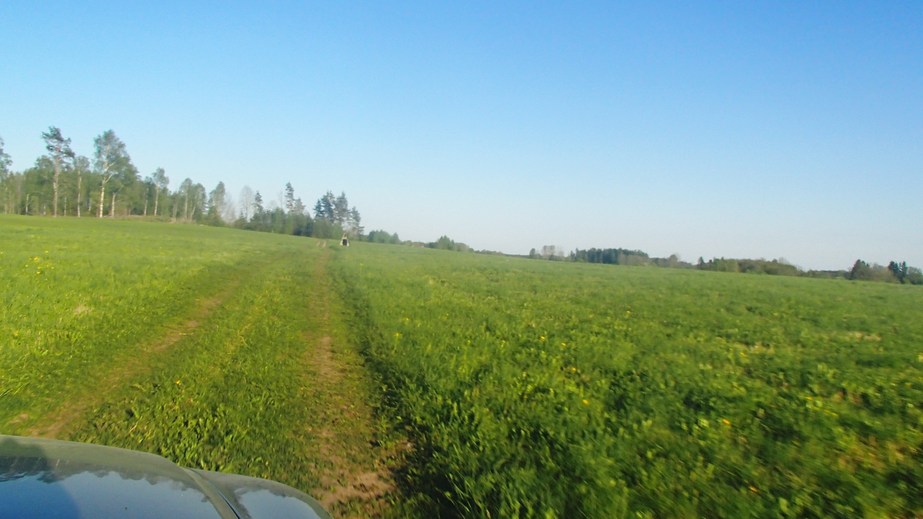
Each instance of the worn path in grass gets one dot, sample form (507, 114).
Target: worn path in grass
(129, 366)
(354, 477)
(296, 401)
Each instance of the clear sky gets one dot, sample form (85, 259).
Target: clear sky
(734, 129)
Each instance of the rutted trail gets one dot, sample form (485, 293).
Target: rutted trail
(258, 378)
(354, 481)
(131, 365)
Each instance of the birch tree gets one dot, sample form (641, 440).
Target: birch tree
(216, 204)
(111, 158)
(186, 189)
(59, 149)
(80, 165)
(199, 200)
(160, 184)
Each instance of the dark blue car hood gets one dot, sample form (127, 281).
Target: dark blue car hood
(51, 478)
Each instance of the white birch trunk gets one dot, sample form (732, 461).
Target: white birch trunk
(102, 199)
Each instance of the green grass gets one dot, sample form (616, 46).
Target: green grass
(216, 348)
(511, 387)
(81, 294)
(544, 389)
(231, 396)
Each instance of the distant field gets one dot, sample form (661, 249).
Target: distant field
(503, 387)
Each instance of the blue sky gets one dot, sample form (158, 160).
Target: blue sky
(735, 129)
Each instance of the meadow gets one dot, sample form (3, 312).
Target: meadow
(204, 345)
(81, 298)
(485, 385)
(568, 390)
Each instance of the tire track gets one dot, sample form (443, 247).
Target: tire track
(354, 478)
(131, 364)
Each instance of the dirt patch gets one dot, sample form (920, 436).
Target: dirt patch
(24, 417)
(352, 483)
(364, 488)
(323, 360)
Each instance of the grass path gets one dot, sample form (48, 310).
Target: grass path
(257, 377)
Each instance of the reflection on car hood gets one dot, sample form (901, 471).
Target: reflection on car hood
(50, 478)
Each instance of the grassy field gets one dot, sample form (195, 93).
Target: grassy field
(549, 389)
(396, 381)
(216, 348)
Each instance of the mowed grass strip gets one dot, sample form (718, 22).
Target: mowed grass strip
(532, 388)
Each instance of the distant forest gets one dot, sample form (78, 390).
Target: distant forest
(894, 272)
(108, 185)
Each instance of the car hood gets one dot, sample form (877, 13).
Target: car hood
(51, 478)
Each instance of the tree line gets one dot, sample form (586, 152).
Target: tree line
(895, 272)
(109, 185)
